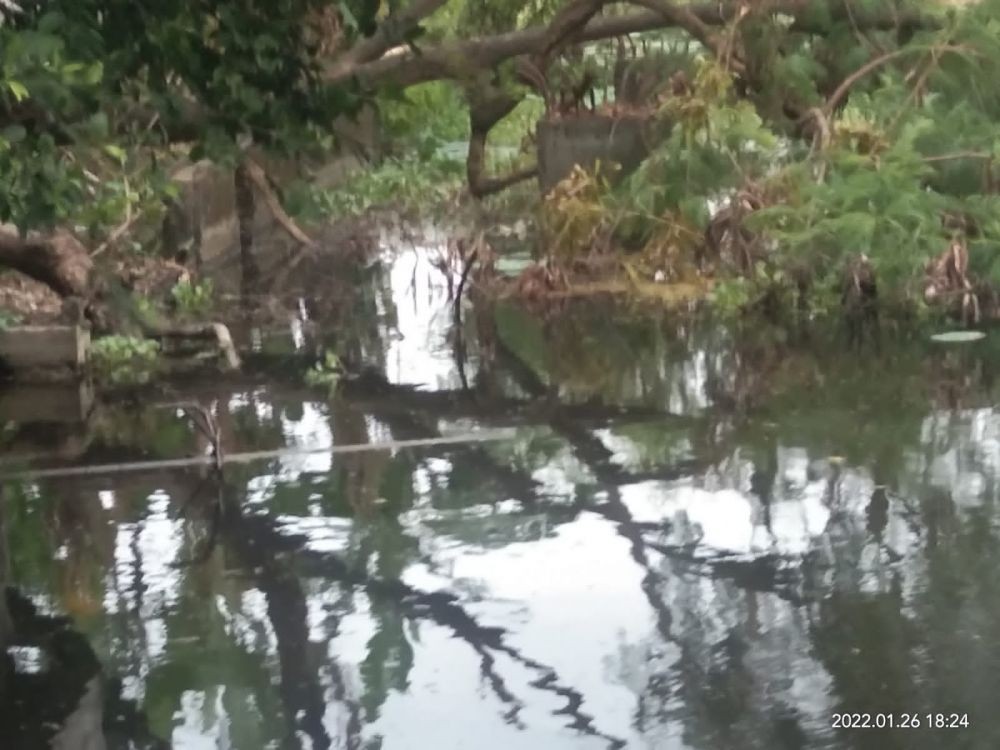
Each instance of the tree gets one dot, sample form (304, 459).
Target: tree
(91, 92)
(97, 95)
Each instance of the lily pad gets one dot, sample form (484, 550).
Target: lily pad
(958, 337)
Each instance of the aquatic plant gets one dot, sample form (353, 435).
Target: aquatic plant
(326, 372)
(121, 360)
(193, 299)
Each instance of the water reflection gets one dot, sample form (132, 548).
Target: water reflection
(681, 546)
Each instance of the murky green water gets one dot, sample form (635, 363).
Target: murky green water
(686, 539)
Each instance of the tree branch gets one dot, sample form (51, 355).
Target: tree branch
(567, 23)
(488, 104)
(841, 91)
(259, 178)
(489, 185)
(390, 32)
(683, 17)
(976, 155)
(58, 261)
(402, 66)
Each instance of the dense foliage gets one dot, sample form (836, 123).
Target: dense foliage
(88, 86)
(785, 167)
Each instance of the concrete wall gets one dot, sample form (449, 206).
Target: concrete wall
(203, 220)
(589, 139)
(24, 348)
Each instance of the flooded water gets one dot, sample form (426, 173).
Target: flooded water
(666, 536)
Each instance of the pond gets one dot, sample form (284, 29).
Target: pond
(595, 528)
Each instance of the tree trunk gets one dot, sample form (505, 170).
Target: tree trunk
(488, 104)
(58, 260)
(6, 624)
(246, 209)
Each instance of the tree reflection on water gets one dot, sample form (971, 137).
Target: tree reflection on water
(707, 539)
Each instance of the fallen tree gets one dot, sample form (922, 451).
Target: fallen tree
(57, 260)
(278, 79)
(473, 62)
(459, 59)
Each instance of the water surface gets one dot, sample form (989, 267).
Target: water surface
(688, 537)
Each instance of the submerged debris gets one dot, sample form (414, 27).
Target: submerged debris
(948, 281)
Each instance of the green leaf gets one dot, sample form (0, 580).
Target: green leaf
(94, 73)
(115, 152)
(13, 133)
(350, 20)
(96, 127)
(18, 89)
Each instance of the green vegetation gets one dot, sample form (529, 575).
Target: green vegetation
(124, 360)
(427, 130)
(87, 87)
(193, 299)
(326, 373)
(886, 166)
(406, 185)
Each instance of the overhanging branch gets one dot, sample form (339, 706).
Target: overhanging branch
(401, 66)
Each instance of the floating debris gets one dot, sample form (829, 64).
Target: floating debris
(958, 337)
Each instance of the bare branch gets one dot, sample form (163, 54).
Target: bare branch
(957, 155)
(488, 104)
(257, 175)
(841, 91)
(683, 17)
(845, 85)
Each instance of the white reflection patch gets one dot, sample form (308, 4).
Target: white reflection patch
(27, 659)
(419, 354)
